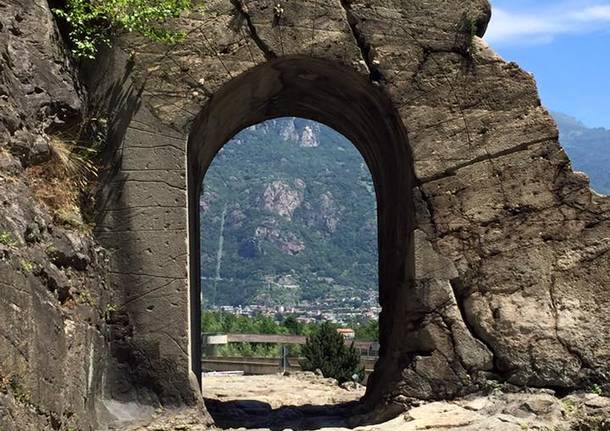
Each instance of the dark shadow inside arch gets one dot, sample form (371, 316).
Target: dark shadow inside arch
(348, 103)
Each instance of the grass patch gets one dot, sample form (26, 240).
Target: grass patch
(62, 182)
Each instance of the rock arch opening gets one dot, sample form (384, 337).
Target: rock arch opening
(288, 214)
(350, 104)
(288, 249)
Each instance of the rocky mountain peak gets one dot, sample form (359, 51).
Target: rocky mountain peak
(297, 130)
(282, 198)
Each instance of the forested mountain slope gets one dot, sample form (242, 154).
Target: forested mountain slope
(588, 148)
(288, 213)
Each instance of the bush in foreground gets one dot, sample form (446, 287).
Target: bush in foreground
(325, 349)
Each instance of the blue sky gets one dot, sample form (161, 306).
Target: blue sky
(566, 45)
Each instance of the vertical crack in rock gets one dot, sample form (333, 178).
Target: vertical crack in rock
(456, 298)
(429, 207)
(553, 302)
(470, 326)
(243, 11)
(454, 343)
(375, 74)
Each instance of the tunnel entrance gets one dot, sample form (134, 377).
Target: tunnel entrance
(353, 106)
(289, 258)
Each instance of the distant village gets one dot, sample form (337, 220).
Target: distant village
(340, 310)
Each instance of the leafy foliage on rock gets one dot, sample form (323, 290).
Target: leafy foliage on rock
(326, 350)
(92, 22)
(7, 239)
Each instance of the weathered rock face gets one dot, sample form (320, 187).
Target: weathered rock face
(304, 134)
(330, 212)
(37, 87)
(53, 296)
(287, 242)
(493, 253)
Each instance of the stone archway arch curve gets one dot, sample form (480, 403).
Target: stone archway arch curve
(346, 101)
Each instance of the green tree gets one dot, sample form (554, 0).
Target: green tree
(293, 326)
(325, 349)
(210, 322)
(367, 329)
(231, 323)
(92, 22)
(266, 325)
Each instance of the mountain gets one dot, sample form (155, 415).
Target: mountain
(288, 214)
(588, 149)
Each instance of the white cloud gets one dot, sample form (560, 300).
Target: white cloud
(543, 25)
(594, 13)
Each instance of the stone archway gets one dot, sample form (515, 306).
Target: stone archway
(494, 256)
(344, 100)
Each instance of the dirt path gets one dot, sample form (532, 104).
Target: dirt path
(300, 401)
(308, 402)
(277, 391)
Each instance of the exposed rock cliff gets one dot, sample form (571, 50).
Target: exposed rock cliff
(304, 132)
(53, 296)
(283, 199)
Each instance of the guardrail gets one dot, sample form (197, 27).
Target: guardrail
(370, 348)
(262, 366)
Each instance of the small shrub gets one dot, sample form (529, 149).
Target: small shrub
(7, 239)
(597, 389)
(19, 392)
(27, 266)
(471, 29)
(110, 309)
(326, 350)
(85, 297)
(50, 250)
(492, 387)
(569, 408)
